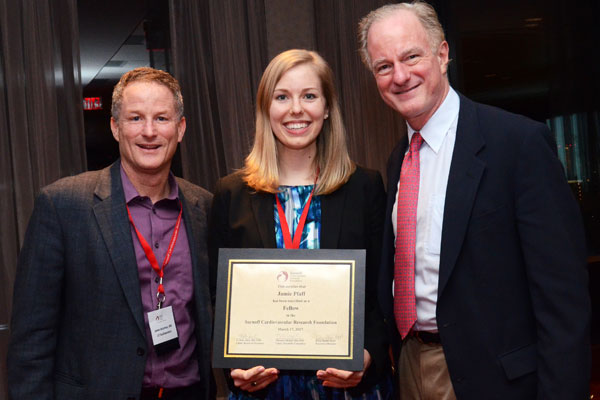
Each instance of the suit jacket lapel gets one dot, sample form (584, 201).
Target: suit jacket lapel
(194, 218)
(263, 209)
(332, 207)
(194, 225)
(112, 219)
(191, 226)
(386, 275)
(466, 171)
(393, 176)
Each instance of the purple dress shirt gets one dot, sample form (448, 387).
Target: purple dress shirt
(156, 222)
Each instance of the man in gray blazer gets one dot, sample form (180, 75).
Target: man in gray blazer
(111, 297)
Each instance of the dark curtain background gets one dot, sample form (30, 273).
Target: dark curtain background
(373, 128)
(41, 122)
(220, 49)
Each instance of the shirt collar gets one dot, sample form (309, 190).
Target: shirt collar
(435, 130)
(131, 192)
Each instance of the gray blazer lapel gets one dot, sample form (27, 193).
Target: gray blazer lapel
(466, 171)
(192, 227)
(112, 219)
(263, 209)
(195, 228)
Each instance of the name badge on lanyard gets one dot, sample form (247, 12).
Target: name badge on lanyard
(161, 320)
(163, 330)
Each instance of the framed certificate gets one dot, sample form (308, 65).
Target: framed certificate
(290, 309)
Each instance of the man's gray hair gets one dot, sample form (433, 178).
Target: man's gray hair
(423, 11)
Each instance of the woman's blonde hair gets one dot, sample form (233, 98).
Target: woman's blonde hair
(261, 170)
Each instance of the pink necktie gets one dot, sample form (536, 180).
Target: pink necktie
(405, 308)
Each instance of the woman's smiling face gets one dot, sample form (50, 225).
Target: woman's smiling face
(298, 108)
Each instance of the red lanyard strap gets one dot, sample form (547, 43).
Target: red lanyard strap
(285, 230)
(150, 254)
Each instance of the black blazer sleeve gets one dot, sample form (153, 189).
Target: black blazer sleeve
(550, 230)
(234, 220)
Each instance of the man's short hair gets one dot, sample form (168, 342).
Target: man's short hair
(423, 11)
(146, 74)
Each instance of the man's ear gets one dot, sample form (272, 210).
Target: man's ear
(181, 129)
(114, 127)
(442, 55)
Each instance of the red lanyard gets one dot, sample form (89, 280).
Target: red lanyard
(285, 230)
(160, 295)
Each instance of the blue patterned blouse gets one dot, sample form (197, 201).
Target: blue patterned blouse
(293, 199)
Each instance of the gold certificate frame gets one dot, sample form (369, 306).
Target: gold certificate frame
(290, 309)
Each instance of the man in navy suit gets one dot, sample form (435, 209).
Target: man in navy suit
(111, 297)
(497, 304)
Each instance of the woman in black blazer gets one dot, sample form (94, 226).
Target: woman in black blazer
(300, 162)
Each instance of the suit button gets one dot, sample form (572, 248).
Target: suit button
(140, 351)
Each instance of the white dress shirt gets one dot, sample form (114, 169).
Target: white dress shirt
(439, 134)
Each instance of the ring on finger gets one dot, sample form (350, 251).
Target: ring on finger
(254, 383)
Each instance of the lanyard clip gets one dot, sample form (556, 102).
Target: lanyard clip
(161, 298)
(160, 295)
